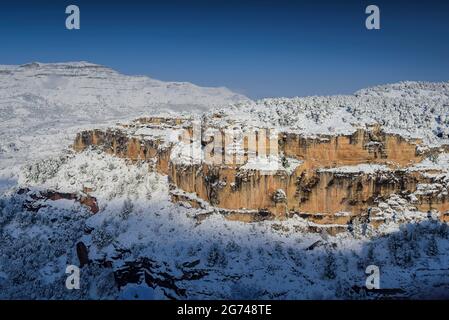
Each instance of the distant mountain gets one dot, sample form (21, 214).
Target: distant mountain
(84, 90)
(44, 100)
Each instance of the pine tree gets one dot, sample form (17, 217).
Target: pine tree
(330, 267)
(127, 208)
(432, 247)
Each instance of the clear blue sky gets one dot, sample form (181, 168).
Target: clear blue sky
(259, 48)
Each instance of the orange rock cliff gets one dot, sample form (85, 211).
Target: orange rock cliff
(326, 179)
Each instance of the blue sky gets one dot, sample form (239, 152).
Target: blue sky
(258, 48)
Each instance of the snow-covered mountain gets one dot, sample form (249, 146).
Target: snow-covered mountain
(40, 101)
(139, 244)
(81, 89)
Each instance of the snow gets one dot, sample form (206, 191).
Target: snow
(264, 164)
(138, 292)
(440, 163)
(271, 164)
(42, 106)
(270, 259)
(360, 168)
(187, 153)
(412, 109)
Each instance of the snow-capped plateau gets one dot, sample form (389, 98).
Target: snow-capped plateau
(412, 109)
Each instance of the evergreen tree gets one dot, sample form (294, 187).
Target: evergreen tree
(329, 266)
(432, 247)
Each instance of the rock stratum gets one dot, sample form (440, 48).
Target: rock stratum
(252, 173)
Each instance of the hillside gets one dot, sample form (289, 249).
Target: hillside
(111, 173)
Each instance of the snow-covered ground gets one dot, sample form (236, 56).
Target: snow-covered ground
(266, 260)
(42, 106)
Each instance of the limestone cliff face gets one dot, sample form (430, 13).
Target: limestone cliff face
(329, 183)
(117, 142)
(369, 145)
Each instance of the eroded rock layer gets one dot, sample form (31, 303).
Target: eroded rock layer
(327, 179)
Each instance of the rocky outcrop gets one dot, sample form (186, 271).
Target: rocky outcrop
(118, 143)
(326, 179)
(369, 145)
(82, 253)
(147, 271)
(36, 199)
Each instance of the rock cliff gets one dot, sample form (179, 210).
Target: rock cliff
(250, 173)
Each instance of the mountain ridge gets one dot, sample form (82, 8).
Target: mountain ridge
(41, 100)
